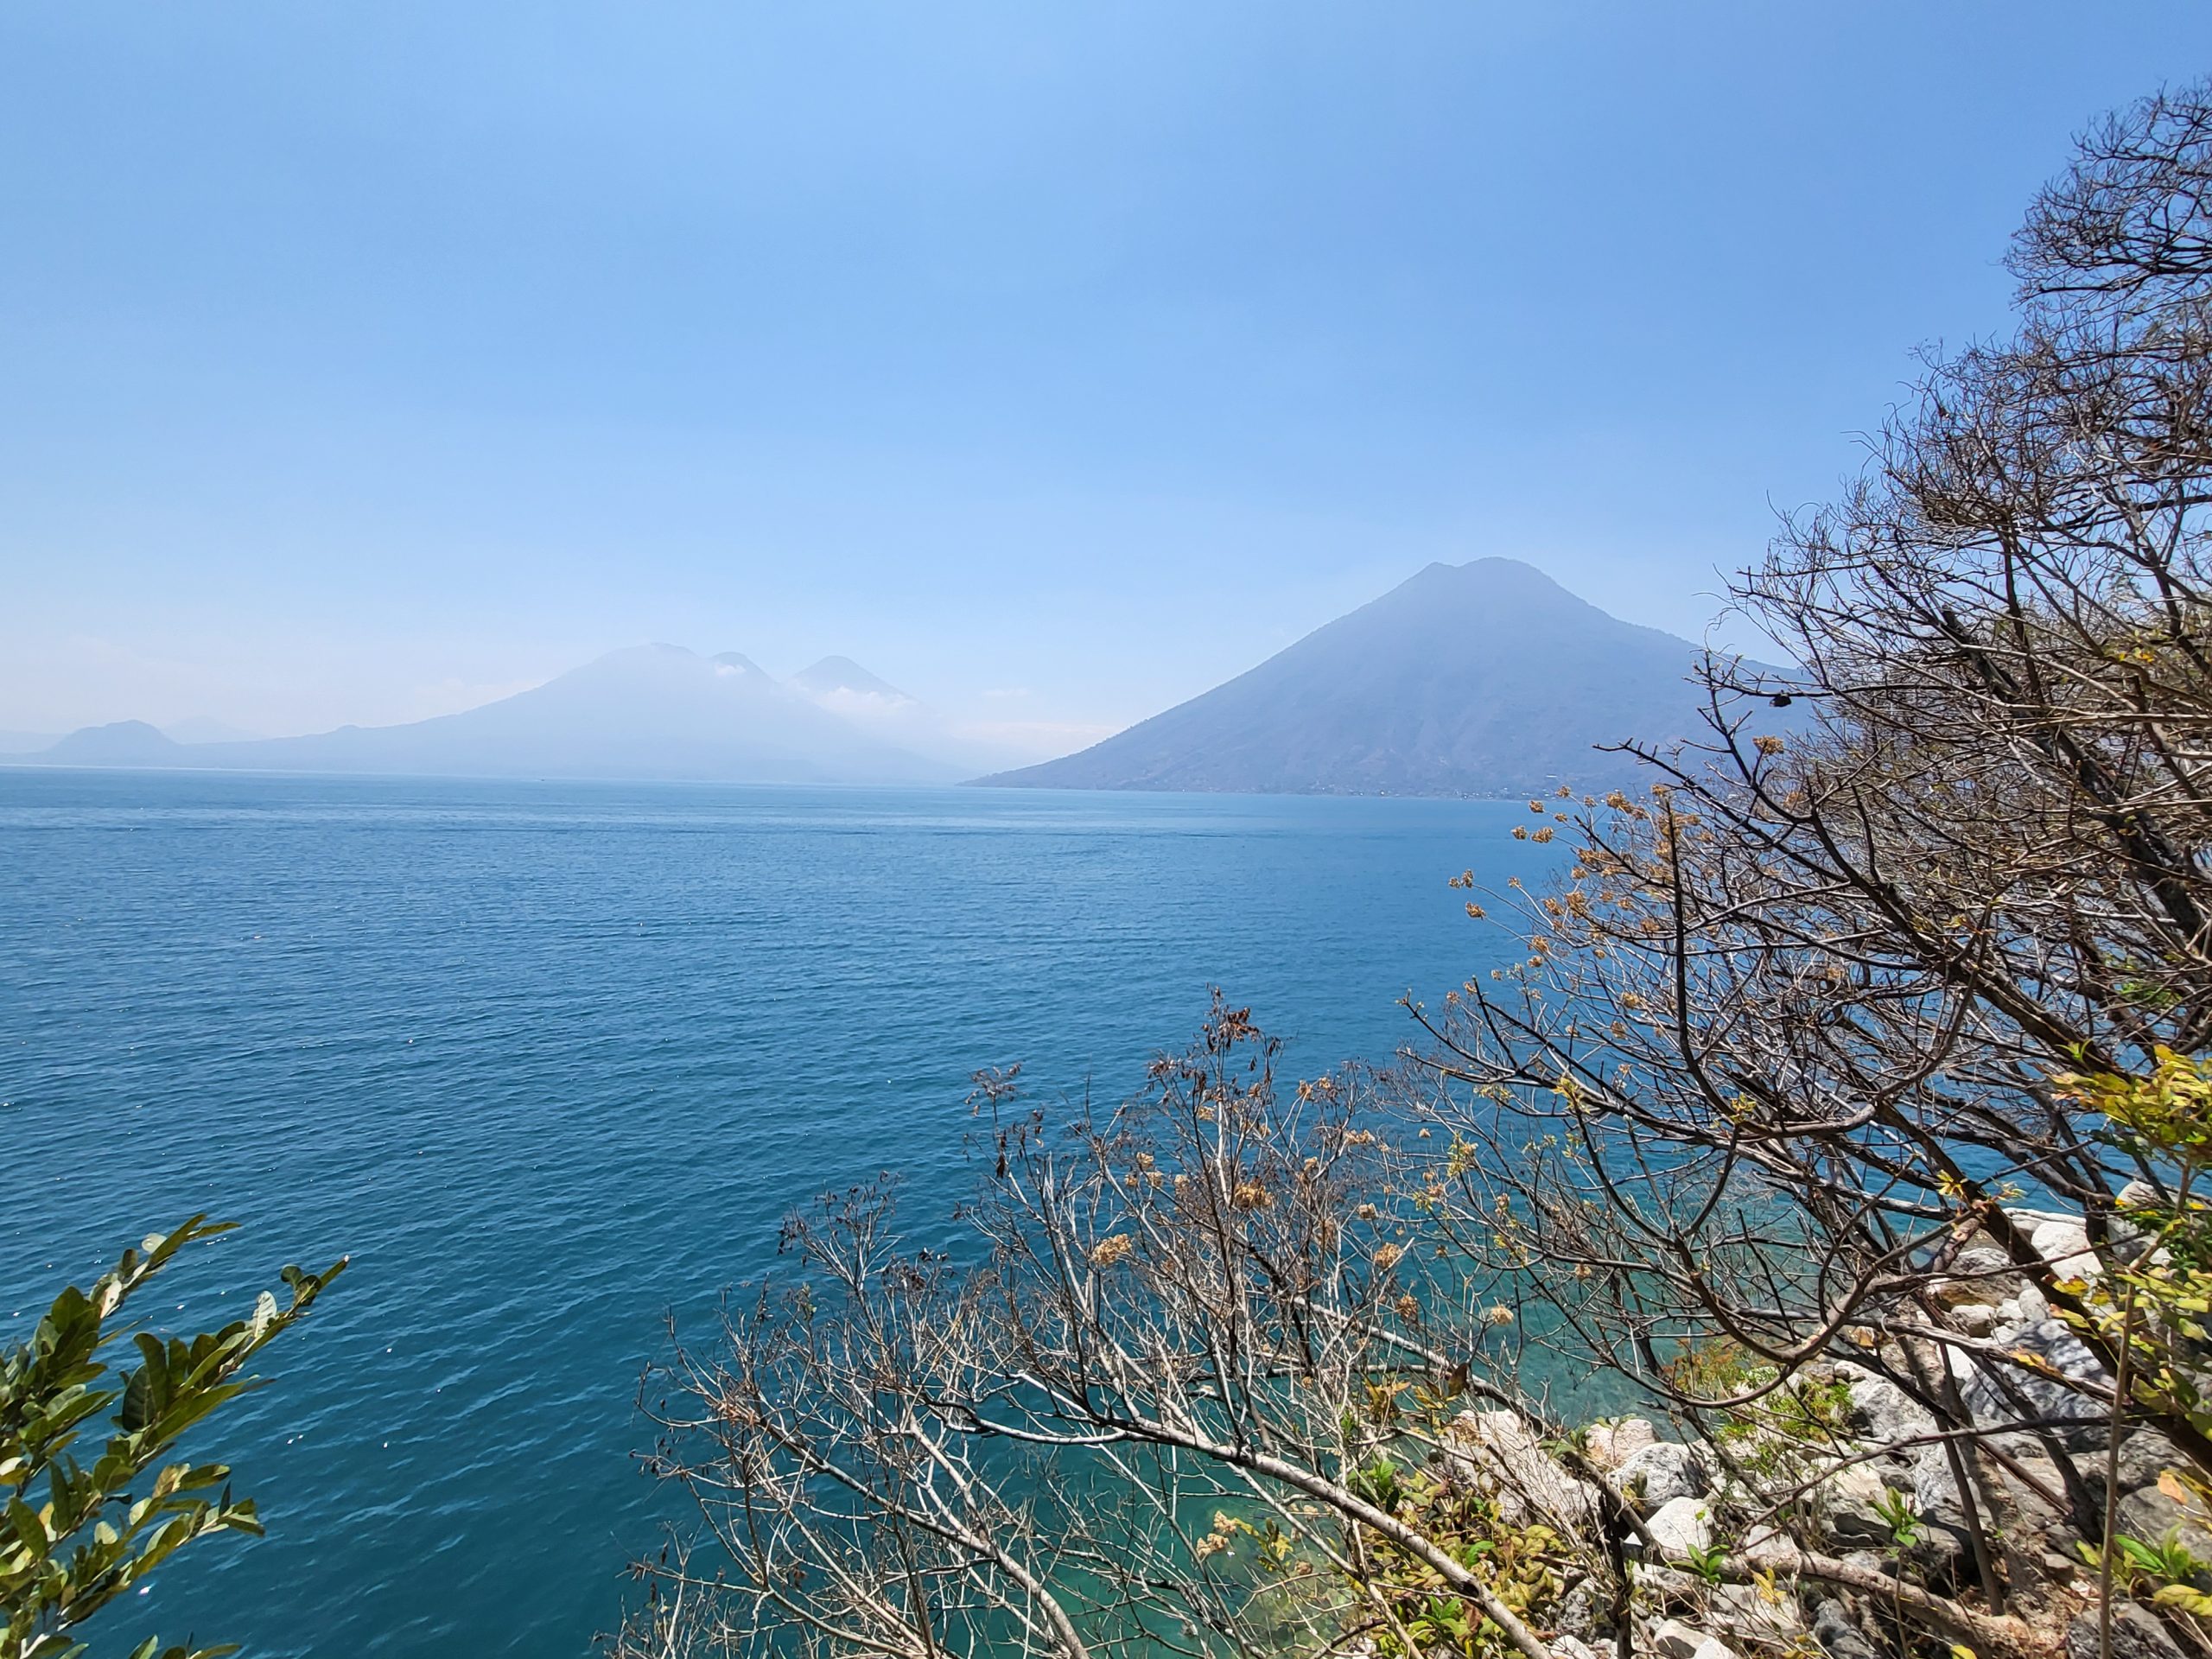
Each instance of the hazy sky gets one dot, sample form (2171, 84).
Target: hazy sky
(361, 362)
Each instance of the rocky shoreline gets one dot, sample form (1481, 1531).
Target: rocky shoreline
(1815, 1523)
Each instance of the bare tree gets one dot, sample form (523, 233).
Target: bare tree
(1797, 1034)
(1797, 1053)
(1198, 1395)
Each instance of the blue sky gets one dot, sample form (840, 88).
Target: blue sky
(1057, 362)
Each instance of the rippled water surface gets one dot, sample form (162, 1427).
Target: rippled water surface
(550, 1061)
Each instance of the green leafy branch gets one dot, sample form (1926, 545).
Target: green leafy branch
(105, 1525)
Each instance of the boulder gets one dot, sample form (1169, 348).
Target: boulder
(1997, 1393)
(1680, 1526)
(2128, 1236)
(2143, 1456)
(2064, 1244)
(2135, 1634)
(1849, 1500)
(1497, 1452)
(1984, 1262)
(1671, 1639)
(2025, 1309)
(1660, 1473)
(2151, 1516)
(1839, 1638)
(1882, 1412)
(1975, 1319)
(2037, 1512)
(1610, 1444)
(1935, 1491)
(1743, 1613)
(1578, 1614)
(1765, 1547)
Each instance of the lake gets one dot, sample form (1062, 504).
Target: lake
(552, 1060)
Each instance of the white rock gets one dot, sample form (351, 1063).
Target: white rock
(1765, 1548)
(1679, 1527)
(1743, 1612)
(2124, 1232)
(1854, 1482)
(2065, 1245)
(1982, 1260)
(1851, 1496)
(1499, 1452)
(1713, 1648)
(1613, 1444)
(1662, 1472)
(1672, 1639)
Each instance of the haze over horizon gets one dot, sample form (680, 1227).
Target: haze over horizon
(1053, 368)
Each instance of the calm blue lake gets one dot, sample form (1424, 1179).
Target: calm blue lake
(550, 1060)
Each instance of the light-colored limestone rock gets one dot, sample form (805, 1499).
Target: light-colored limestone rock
(1662, 1472)
(1610, 1444)
(1764, 1547)
(1680, 1526)
(1849, 1501)
(1935, 1491)
(1498, 1452)
(1746, 1614)
(2065, 1244)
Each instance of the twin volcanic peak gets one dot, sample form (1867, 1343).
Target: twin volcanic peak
(646, 713)
(1486, 678)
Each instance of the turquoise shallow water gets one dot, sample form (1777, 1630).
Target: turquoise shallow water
(552, 1060)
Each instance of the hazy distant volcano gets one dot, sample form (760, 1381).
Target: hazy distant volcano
(125, 743)
(881, 709)
(1487, 678)
(836, 677)
(652, 712)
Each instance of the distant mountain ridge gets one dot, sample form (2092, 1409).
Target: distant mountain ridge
(647, 713)
(1485, 678)
(121, 743)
